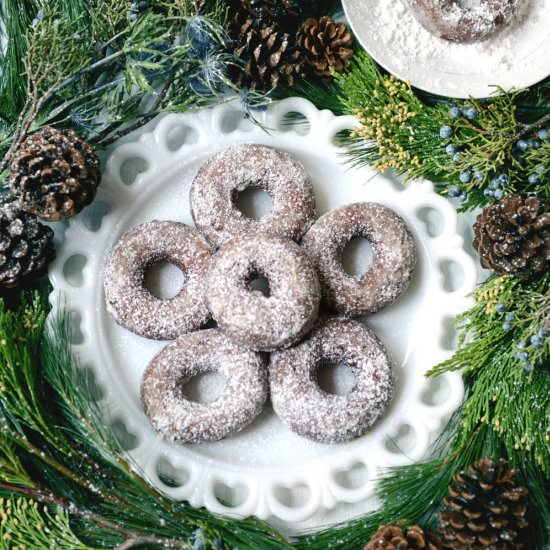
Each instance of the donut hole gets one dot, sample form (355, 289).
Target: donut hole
(204, 388)
(259, 283)
(357, 257)
(164, 280)
(169, 475)
(335, 378)
(254, 203)
(211, 323)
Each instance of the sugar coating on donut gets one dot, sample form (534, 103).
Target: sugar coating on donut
(323, 417)
(247, 316)
(464, 21)
(178, 418)
(216, 186)
(394, 257)
(132, 305)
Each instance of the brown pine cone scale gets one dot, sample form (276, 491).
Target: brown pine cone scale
(271, 9)
(484, 509)
(269, 58)
(26, 245)
(397, 537)
(512, 236)
(326, 45)
(54, 174)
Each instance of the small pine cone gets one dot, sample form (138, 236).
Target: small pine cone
(54, 174)
(326, 45)
(26, 245)
(512, 236)
(270, 60)
(271, 9)
(485, 508)
(396, 537)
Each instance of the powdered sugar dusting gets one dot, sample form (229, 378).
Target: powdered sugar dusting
(248, 317)
(221, 177)
(464, 21)
(394, 257)
(178, 418)
(412, 47)
(313, 413)
(132, 305)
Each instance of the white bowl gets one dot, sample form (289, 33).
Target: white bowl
(515, 58)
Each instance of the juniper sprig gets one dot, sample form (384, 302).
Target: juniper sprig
(474, 150)
(504, 354)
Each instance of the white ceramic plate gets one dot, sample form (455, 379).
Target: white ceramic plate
(262, 469)
(516, 58)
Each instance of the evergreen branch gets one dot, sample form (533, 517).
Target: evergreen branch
(504, 350)
(529, 129)
(130, 538)
(74, 436)
(105, 81)
(504, 414)
(23, 524)
(16, 16)
(465, 146)
(414, 493)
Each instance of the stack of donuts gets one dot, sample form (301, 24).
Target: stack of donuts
(264, 346)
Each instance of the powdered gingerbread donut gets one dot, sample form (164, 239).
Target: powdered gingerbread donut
(394, 257)
(463, 21)
(220, 179)
(247, 316)
(313, 413)
(178, 418)
(132, 305)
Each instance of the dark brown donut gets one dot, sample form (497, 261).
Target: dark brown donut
(178, 418)
(394, 257)
(247, 316)
(307, 409)
(132, 305)
(220, 179)
(452, 20)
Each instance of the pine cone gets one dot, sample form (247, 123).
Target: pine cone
(271, 9)
(396, 537)
(485, 509)
(326, 45)
(26, 245)
(54, 174)
(270, 60)
(512, 236)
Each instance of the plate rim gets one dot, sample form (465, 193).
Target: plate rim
(401, 74)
